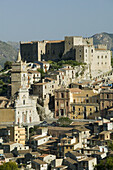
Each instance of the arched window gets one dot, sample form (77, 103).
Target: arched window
(30, 119)
(23, 102)
(107, 96)
(18, 120)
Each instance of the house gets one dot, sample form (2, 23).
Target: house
(38, 140)
(39, 164)
(78, 161)
(17, 134)
(44, 65)
(57, 164)
(8, 147)
(48, 158)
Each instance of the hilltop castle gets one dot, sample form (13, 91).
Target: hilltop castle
(72, 47)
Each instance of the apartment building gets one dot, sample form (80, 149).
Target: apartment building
(17, 134)
(76, 103)
(106, 102)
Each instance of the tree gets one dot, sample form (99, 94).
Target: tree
(7, 65)
(9, 166)
(110, 146)
(64, 121)
(41, 71)
(106, 164)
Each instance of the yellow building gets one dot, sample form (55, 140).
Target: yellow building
(84, 104)
(17, 134)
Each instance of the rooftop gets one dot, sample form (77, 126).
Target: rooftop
(72, 161)
(39, 161)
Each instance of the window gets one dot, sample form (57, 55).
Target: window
(44, 96)
(87, 101)
(102, 63)
(97, 56)
(90, 109)
(105, 63)
(18, 112)
(79, 113)
(107, 96)
(96, 109)
(52, 86)
(98, 63)
(66, 103)
(80, 56)
(86, 50)
(57, 104)
(79, 109)
(62, 95)
(24, 77)
(73, 108)
(18, 120)
(80, 50)
(91, 50)
(23, 102)
(62, 112)
(106, 56)
(101, 56)
(45, 87)
(73, 117)
(29, 119)
(86, 95)
(57, 113)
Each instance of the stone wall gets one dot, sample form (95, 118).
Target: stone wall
(29, 51)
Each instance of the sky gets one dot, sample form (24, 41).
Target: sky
(30, 20)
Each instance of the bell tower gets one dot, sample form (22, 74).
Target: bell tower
(19, 76)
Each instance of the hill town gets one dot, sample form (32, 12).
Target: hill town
(56, 106)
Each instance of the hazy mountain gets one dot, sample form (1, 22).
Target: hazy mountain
(104, 38)
(7, 53)
(15, 45)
